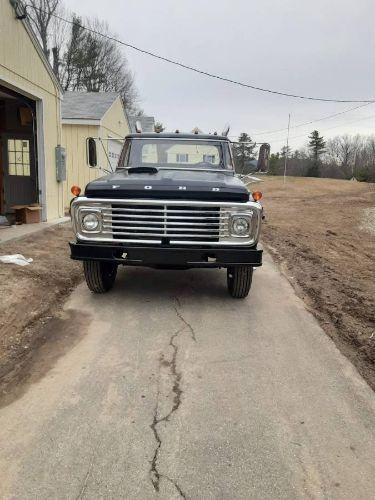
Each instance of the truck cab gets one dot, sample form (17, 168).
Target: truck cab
(173, 202)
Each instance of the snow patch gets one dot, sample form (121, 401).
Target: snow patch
(368, 220)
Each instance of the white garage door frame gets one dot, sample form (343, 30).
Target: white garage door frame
(39, 143)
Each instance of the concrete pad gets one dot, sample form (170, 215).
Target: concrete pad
(19, 231)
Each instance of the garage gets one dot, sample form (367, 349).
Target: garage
(30, 122)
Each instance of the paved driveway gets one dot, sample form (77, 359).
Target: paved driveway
(173, 389)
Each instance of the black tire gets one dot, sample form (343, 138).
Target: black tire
(100, 276)
(239, 280)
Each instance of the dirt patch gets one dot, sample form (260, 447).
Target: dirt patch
(319, 231)
(31, 297)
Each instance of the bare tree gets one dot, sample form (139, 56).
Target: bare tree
(41, 13)
(83, 59)
(342, 152)
(94, 63)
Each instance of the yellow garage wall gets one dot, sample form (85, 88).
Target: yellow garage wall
(23, 70)
(113, 125)
(77, 171)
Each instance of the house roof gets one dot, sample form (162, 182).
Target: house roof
(86, 105)
(147, 123)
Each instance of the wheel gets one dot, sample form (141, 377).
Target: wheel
(100, 276)
(239, 280)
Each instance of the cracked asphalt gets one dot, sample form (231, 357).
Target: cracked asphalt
(175, 390)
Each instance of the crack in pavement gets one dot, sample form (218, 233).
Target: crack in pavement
(155, 474)
(178, 488)
(181, 318)
(85, 480)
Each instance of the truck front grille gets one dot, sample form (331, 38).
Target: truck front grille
(174, 222)
(164, 223)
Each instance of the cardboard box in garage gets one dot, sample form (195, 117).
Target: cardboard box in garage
(27, 214)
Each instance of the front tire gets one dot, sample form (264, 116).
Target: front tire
(239, 280)
(100, 276)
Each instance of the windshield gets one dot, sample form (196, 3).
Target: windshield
(175, 153)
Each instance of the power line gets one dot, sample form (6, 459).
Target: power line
(313, 121)
(200, 71)
(328, 128)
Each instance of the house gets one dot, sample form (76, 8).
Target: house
(30, 121)
(147, 123)
(100, 115)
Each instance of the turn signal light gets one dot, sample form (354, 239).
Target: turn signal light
(76, 190)
(257, 195)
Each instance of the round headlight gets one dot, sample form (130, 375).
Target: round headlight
(90, 222)
(240, 226)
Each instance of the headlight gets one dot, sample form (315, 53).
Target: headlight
(90, 222)
(240, 226)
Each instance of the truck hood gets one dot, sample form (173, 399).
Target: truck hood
(170, 184)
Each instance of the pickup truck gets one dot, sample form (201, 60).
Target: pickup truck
(173, 202)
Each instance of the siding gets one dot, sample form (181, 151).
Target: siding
(114, 122)
(77, 170)
(22, 69)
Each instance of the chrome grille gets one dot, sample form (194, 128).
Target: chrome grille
(163, 222)
(174, 222)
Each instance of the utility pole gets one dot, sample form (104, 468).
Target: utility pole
(353, 164)
(287, 149)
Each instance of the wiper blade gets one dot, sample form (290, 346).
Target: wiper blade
(143, 170)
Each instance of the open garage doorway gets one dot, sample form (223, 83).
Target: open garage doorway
(18, 153)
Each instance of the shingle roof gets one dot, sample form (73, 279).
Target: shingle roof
(147, 123)
(87, 105)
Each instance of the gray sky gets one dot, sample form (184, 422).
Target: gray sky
(323, 48)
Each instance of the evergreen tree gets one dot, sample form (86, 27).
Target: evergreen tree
(317, 147)
(243, 152)
(274, 164)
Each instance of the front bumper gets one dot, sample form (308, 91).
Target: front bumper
(172, 257)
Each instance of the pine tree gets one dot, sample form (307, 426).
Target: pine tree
(317, 147)
(274, 165)
(243, 152)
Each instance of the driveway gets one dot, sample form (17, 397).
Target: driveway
(168, 388)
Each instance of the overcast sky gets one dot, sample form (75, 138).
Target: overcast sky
(323, 48)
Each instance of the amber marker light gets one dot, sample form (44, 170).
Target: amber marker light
(76, 190)
(257, 195)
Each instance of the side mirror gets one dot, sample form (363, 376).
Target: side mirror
(92, 157)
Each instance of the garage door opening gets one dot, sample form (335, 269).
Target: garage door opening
(18, 153)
